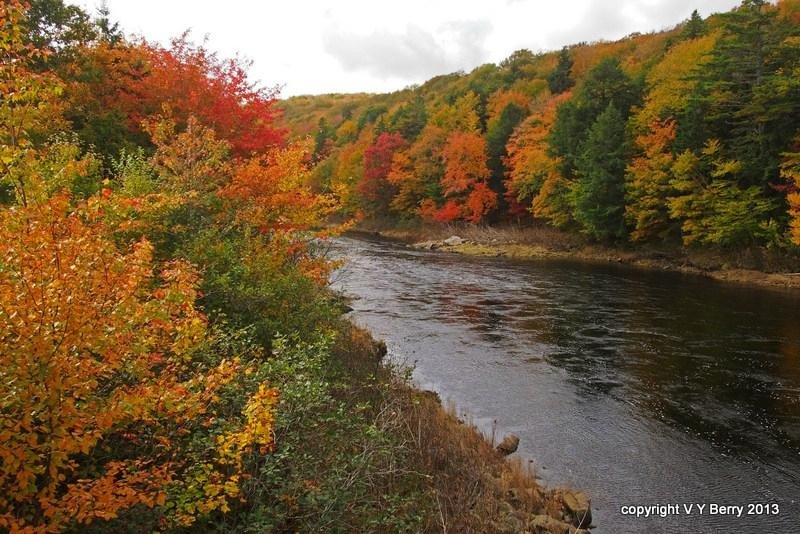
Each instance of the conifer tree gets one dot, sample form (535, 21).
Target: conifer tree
(599, 192)
(560, 80)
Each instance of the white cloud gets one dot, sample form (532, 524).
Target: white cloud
(359, 45)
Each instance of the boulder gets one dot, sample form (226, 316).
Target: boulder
(453, 241)
(578, 507)
(509, 445)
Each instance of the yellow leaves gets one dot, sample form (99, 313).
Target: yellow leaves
(87, 350)
(670, 83)
(257, 431)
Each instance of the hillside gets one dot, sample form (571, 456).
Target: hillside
(688, 136)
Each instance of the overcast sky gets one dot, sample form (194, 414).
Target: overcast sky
(312, 47)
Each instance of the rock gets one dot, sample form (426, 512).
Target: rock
(453, 241)
(427, 245)
(509, 445)
(542, 524)
(578, 507)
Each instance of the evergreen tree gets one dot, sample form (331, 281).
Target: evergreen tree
(694, 27)
(605, 84)
(497, 135)
(324, 133)
(753, 98)
(560, 80)
(599, 193)
(409, 119)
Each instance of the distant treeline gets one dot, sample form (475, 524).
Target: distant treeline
(691, 135)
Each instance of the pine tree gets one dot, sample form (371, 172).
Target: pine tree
(748, 84)
(409, 119)
(499, 131)
(599, 193)
(605, 84)
(695, 27)
(560, 79)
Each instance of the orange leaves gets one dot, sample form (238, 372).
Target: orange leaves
(465, 162)
(273, 192)
(465, 180)
(648, 181)
(790, 171)
(94, 349)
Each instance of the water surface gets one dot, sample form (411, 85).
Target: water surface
(638, 387)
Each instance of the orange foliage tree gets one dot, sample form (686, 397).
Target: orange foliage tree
(533, 177)
(96, 351)
(649, 179)
(466, 177)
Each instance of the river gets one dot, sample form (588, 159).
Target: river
(640, 388)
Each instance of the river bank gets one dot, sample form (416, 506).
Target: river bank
(457, 479)
(753, 267)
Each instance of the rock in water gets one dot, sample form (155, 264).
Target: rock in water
(509, 445)
(453, 241)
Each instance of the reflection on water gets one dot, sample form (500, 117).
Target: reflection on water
(639, 387)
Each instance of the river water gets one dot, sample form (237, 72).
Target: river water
(639, 388)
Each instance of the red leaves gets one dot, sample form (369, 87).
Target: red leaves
(195, 82)
(374, 185)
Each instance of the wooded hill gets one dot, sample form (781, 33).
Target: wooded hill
(688, 135)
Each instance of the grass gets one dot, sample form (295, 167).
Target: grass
(441, 466)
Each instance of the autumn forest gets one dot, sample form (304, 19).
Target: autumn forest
(688, 135)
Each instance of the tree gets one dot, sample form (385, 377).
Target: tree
(648, 183)
(417, 172)
(599, 191)
(30, 107)
(460, 116)
(60, 27)
(694, 27)
(273, 192)
(374, 186)
(750, 90)
(498, 132)
(790, 171)
(189, 161)
(712, 207)
(515, 65)
(105, 400)
(323, 139)
(465, 180)
(560, 79)
(672, 82)
(605, 84)
(194, 82)
(409, 119)
(529, 161)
